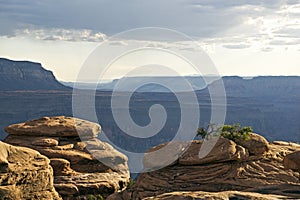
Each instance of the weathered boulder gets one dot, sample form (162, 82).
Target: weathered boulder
(226, 169)
(292, 161)
(82, 165)
(59, 126)
(169, 153)
(256, 145)
(163, 155)
(224, 150)
(25, 174)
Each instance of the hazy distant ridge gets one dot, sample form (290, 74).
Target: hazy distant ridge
(234, 85)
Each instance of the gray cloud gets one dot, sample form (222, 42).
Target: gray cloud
(267, 49)
(118, 43)
(100, 15)
(220, 20)
(62, 34)
(285, 42)
(236, 46)
(288, 32)
(293, 2)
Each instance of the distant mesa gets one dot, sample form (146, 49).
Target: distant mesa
(259, 86)
(26, 75)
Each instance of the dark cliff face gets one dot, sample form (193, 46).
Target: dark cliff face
(25, 75)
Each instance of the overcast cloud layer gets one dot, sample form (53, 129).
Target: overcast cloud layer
(236, 24)
(242, 37)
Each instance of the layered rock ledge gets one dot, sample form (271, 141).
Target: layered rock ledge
(253, 169)
(25, 174)
(82, 164)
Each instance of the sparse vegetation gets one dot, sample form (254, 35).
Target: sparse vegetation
(231, 132)
(95, 197)
(131, 183)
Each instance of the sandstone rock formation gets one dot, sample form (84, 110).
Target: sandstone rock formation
(82, 164)
(256, 145)
(292, 161)
(230, 151)
(253, 168)
(235, 195)
(25, 174)
(55, 127)
(214, 196)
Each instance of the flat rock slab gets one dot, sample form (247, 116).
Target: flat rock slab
(59, 126)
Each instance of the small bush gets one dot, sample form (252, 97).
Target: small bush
(131, 183)
(231, 132)
(201, 132)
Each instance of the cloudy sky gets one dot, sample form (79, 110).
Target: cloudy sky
(257, 37)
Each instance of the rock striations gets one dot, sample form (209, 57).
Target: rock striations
(252, 169)
(82, 164)
(227, 195)
(25, 174)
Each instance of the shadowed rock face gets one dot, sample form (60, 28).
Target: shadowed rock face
(25, 75)
(253, 170)
(82, 165)
(25, 174)
(292, 161)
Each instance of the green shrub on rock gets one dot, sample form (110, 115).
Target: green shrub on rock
(231, 132)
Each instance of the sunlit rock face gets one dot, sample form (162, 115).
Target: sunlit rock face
(82, 164)
(25, 174)
(252, 169)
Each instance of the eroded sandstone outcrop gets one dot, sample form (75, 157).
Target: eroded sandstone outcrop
(254, 167)
(292, 161)
(25, 174)
(215, 196)
(82, 164)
